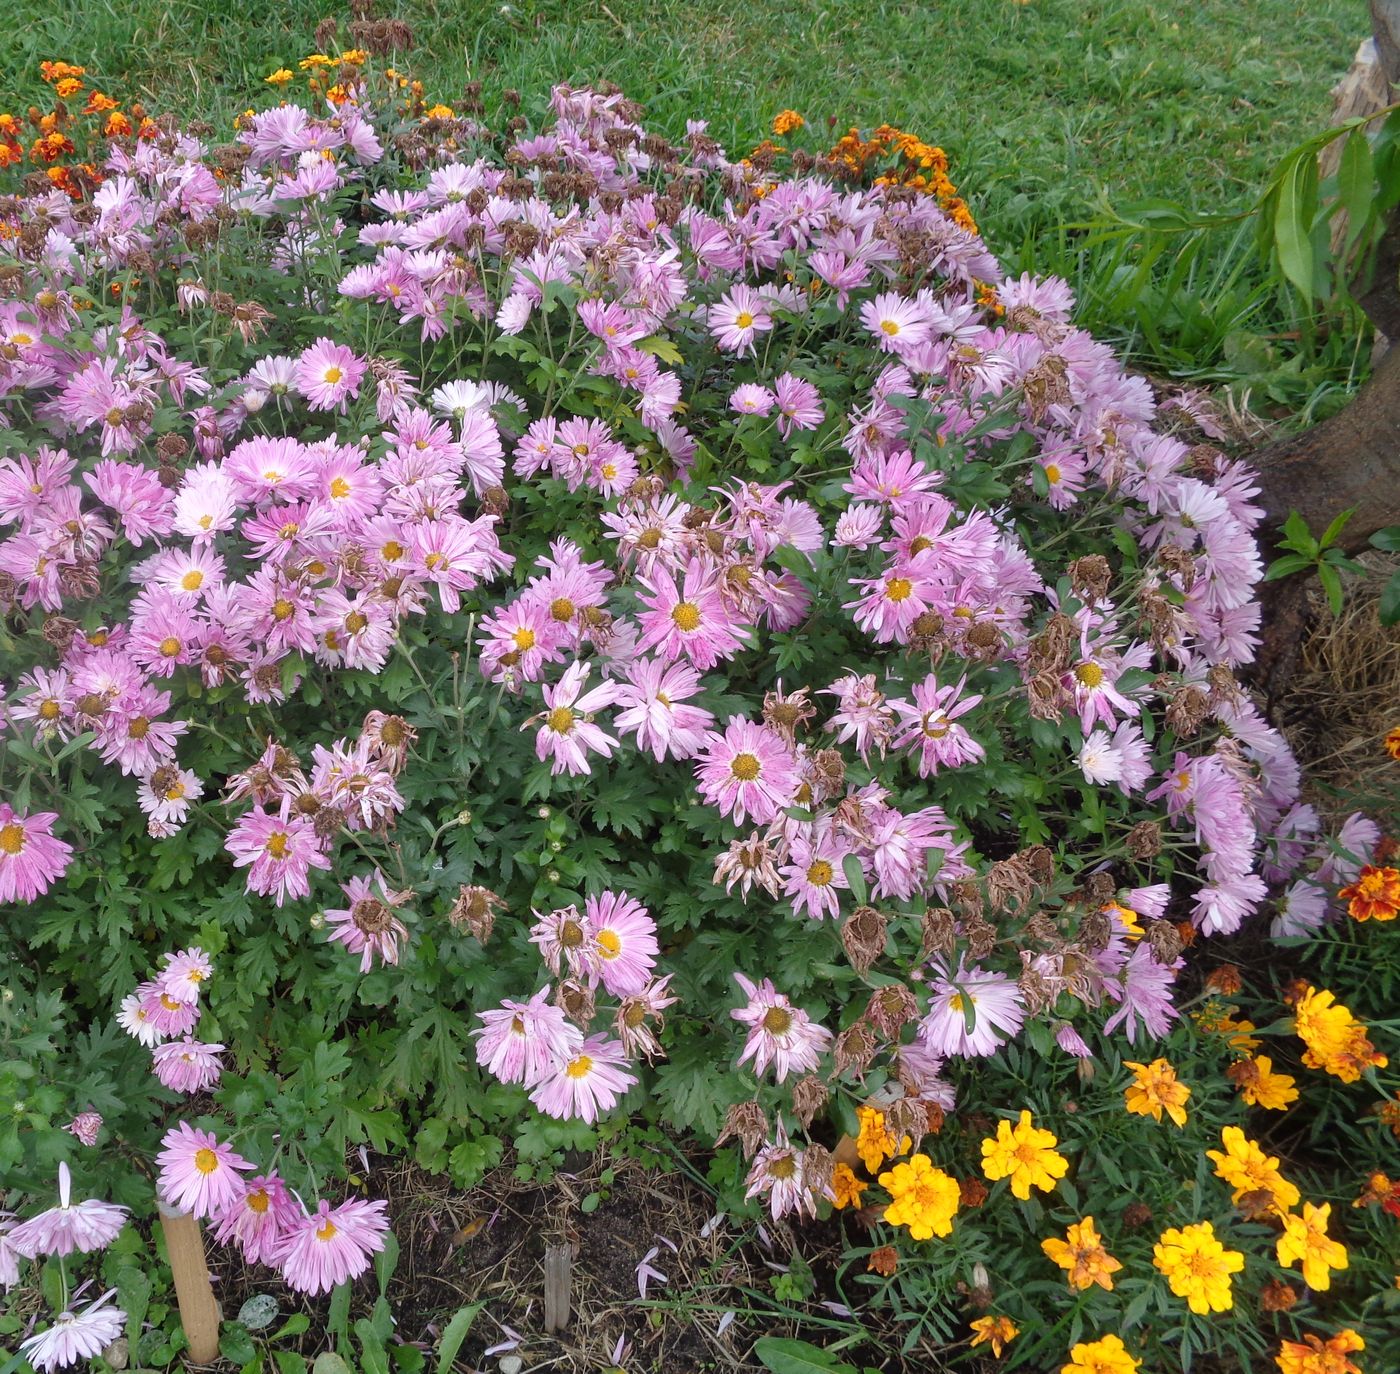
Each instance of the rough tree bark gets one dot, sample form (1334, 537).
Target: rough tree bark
(1350, 461)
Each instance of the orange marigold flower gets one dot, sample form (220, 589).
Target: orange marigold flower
(1082, 1256)
(69, 86)
(1337, 1042)
(1260, 1086)
(1107, 1355)
(1313, 1355)
(59, 71)
(1155, 1091)
(117, 125)
(846, 1187)
(1225, 979)
(97, 103)
(1392, 742)
(280, 77)
(875, 1144)
(1306, 1242)
(883, 1261)
(1248, 1170)
(998, 1332)
(1374, 896)
(438, 111)
(787, 122)
(1380, 1191)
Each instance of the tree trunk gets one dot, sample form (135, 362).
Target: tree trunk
(1348, 462)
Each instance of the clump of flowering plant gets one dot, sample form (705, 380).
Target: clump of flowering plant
(550, 611)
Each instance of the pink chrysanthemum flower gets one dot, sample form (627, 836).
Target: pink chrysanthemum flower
(740, 315)
(163, 1013)
(565, 733)
(624, 946)
(590, 1083)
(368, 926)
(279, 854)
(813, 878)
(258, 1221)
(137, 1022)
(799, 404)
(653, 697)
(690, 619)
(971, 1013)
(780, 1034)
(523, 1042)
(30, 857)
(930, 726)
(778, 1170)
(752, 399)
(198, 1172)
(748, 771)
(85, 1127)
(187, 1065)
(185, 973)
(329, 374)
(331, 1245)
(897, 322)
(71, 1226)
(75, 1336)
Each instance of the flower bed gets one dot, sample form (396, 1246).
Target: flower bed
(519, 632)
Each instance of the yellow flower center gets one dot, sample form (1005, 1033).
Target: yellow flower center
(1089, 674)
(340, 488)
(1052, 473)
(743, 320)
(524, 639)
(50, 710)
(685, 615)
(169, 646)
(282, 609)
(11, 838)
(258, 1201)
(206, 1161)
(355, 622)
(820, 874)
(326, 1230)
(193, 580)
(561, 609)
(560, 720)
(899, 589)
(392, 551)
(745, 767)
(609, 946)
(580, 1067)
(277, 844)
(776, 1021)
(333, 375)
(890, 327)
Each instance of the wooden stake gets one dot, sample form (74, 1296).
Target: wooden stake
(199, 1308)
(558, 1280)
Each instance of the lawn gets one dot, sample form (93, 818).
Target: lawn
(1044, 107)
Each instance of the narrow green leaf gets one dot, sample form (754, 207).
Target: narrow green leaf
(1293, 220)
(1387, 539)
(1390, 601)
(1329, 536)
(453, 1335)
(1356, 183)
(1332, 585)
(1287, 566)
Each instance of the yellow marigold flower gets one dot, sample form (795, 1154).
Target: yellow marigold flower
(1025, 1154)
(1127, 917)
(787, 122)
(875, 1144)
(1305, 1240)
(1374, 896)
(280, 77)
(922, 1198)
(354, 57)
(1107, 1355)
(1260, 1086)
(1082, 1255)
(1392, 742)
(1198, 1267)
(996, 1331)
(846, 1186)
(1156, 1091)
(439, 111)
(1337, 1042)
(1247, 1169)
(1315, 1356)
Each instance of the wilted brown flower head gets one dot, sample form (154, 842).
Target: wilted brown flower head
(940, 931)
(809, 1096)
(746, 1123)
(883, 1261)
(891, 1008)
(854, 1049)
(1145, 840)
(863, 937)
(475, 910)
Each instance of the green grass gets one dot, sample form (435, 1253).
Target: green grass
(1047, 109)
